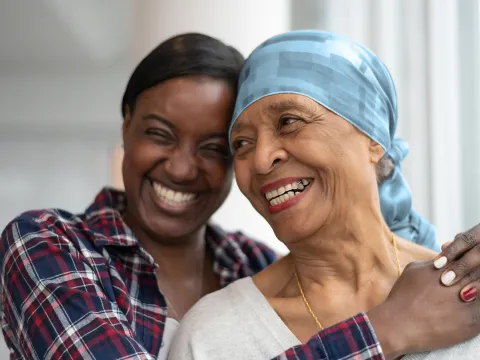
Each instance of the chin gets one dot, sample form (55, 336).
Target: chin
(298, 227)
(171, 229)
(288, 235)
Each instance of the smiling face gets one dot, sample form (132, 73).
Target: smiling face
(176, 169)
(300, 165)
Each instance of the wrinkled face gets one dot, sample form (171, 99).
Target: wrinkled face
(176, 169)
(301, 166)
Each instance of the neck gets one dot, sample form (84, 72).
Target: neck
(178, 259)
(349, 255)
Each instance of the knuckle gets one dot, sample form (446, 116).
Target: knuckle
(466, 237)
(471, 277)
(477, 248)
(461, 267)
(452, 249)
(475, 318)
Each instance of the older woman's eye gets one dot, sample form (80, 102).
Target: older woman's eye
(287, 121)
(288, 124)
(237, 144)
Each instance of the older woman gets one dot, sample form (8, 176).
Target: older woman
(315, 115)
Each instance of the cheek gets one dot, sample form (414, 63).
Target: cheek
(242, 176)
(244, 181)
(332, 149)
(219, 174)
(140, 157)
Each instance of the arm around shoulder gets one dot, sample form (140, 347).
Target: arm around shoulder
(348, 340)
(51, 301)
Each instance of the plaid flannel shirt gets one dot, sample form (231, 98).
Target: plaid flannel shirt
(82, 287)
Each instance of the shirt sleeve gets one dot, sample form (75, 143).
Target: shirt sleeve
(349, 340)
(52, 305)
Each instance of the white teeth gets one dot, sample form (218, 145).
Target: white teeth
(172, 197)
(286, 192)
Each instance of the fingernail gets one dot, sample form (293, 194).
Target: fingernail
(469, 294)
(448, 277)
(440, 262)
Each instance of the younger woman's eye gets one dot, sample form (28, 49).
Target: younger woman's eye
(217, 150)
(159, 135)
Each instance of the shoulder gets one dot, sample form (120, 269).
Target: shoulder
(38, 221)
(216, 312)
(410, 251)
(48, 227)
(258, 255)
(217, 307)
(211, 325)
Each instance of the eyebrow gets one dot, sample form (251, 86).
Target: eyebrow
(207, 136)
(160, 119)
(282, 106)
(237, 126)
(288, 105)
(215, 135)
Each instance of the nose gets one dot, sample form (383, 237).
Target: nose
(268, 153)
(181, 166)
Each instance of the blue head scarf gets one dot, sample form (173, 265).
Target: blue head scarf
(351, 81)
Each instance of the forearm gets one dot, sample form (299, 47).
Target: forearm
(345, 340)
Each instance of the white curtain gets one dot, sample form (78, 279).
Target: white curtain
(432, 50)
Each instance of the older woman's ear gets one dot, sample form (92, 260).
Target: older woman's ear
(376, 152)
(384, 169)
(383, 165)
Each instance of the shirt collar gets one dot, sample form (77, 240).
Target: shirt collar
(104, 218)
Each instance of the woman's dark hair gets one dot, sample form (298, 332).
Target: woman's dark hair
(182, 55)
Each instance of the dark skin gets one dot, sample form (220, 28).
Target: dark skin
(417, 293)
(176, 136)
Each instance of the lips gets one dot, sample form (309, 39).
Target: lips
(284, 193)
(171, 196)
(172, 202)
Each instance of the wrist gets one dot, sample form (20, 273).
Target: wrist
(387, 330)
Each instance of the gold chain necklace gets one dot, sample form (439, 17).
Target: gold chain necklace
(399, 272)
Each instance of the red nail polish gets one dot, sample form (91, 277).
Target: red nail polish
(470, 294)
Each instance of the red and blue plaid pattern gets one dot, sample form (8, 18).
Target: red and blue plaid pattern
(353, 339)
(82, 287)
